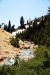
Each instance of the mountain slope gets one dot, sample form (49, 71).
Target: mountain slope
(6, 49)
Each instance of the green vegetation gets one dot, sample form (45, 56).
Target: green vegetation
(14, 42)
(48, 25)
(38, 33)
(8, 27)
(40, 65)
(22, 22)
(7, 70)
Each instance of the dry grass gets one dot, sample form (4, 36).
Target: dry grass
(6, 49)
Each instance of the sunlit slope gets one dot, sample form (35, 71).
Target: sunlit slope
(6, 49)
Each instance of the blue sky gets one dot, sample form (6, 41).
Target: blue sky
(14, 9)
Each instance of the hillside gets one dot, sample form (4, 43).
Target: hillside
(6, 49)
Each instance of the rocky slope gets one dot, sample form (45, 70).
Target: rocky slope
(6, 49)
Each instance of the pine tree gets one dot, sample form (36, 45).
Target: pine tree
(48, 26)
(49, 21)
(5, 27)
(9, 26)
(22, 22)
(12, 28)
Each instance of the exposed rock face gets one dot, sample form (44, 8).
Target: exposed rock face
(24, 46)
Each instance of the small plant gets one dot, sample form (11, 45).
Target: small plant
(14, 42)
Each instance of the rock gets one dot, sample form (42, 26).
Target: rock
(24, 46)
(35, 46)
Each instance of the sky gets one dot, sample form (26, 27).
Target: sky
(13, 9)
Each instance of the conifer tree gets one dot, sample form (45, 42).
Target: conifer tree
(9, 26)
(22, 22)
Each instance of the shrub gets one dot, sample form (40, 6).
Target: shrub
(14, 42)
(7, 70)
